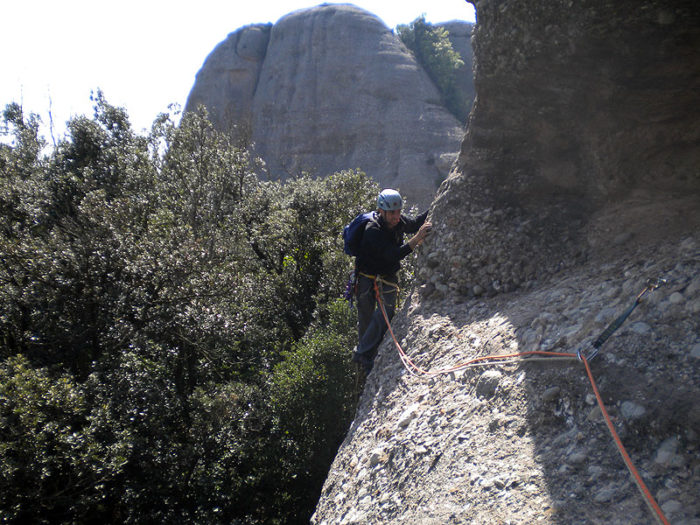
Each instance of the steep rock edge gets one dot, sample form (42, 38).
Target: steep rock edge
(579, 104)
(227, 81)
(460, 36)
(331, 88)
(576, 182)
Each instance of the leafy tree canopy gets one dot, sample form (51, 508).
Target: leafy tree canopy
(433, 50)
(172, 345)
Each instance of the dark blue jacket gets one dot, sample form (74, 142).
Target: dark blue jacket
(382, 249)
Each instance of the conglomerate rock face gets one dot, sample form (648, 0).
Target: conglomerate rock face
(579, 104)
(525, 442)
(332, 88)
(577, 181)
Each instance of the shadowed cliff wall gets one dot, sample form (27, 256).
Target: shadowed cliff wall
(579, 105)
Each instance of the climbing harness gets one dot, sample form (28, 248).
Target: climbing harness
(581, 355)
(378, 279)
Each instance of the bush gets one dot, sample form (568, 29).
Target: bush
(56, 457)
(433, 50)
(171, 345)
(313, 402)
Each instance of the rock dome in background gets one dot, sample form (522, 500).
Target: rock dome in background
(332, 88)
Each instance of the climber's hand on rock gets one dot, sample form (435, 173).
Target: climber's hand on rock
(419, 237)
(425, 229)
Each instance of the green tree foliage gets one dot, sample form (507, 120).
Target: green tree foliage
(58, 454)
(433, 50)
(171, 344)
(308, 390)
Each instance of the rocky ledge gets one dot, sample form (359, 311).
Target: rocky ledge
(525, 442)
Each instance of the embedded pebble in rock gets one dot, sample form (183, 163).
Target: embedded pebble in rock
(408, 415)
(671, 507)
(676, 298)
(606, 315)
(604, 495)
(577, 458)
(695, 351)
(622, 238)
(442, 288)
(667, 456)
(640, 328)
(595, 414)
(632, 410)
(433, 259)
(488, 383)
(595, 472)
(551, 393)
(375, 457)
(694, 306)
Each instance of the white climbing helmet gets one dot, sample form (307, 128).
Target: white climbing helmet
(389, 200)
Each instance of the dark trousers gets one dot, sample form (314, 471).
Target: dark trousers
(371, 323)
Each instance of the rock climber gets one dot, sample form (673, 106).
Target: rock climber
(379, 258)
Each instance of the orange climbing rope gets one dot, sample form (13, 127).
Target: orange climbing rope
(416, 370)
(651, 502)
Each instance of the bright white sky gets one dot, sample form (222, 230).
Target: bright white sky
(143, 54)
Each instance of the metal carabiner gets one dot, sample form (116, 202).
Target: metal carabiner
(592, 352)
(652, 284)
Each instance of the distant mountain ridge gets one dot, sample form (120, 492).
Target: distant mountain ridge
(331, 88)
